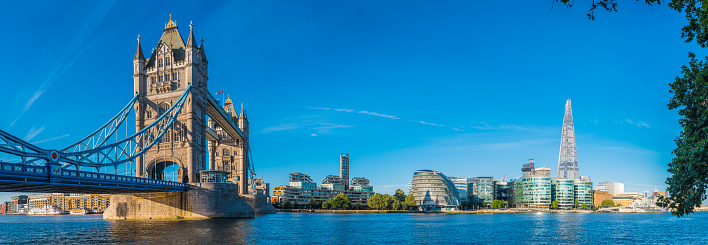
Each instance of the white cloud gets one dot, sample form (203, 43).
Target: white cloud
(50, 139)
(384, 116)
(379, 114)
(638, 124)
(287, 126)
(33, 132)
(313, 134)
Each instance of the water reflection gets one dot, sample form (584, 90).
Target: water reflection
(217, 231)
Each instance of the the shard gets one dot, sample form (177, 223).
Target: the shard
(568, 156)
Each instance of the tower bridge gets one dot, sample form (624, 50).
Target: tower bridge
(177, 123)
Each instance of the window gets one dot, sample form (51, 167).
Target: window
(163, 108)
(226, 152)
(149, 113)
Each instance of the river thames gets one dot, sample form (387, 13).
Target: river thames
(329, 228)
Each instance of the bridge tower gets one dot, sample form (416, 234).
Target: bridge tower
(159, 81)
(232, 155)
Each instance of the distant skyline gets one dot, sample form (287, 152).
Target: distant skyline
(465, 88)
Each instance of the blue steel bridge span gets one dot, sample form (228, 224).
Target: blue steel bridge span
(82, 167)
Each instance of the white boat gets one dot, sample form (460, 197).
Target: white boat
(47, 210)
(79, 211)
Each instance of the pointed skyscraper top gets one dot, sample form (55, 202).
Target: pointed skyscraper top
(568, 155)
(139, 52)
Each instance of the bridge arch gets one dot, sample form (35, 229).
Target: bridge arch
(166, 168)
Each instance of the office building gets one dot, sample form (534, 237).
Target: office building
(344, 168)
(568, 156)
(613, 188)
(599, 196)
(361, 184)
(482, 189)
(433, 191)
(501, 190)
(462, 186)
(533, 189)
(562, 191)
(301, 181)
(583, 192)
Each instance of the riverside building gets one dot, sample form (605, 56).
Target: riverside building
(433, 191)
(462, 185)
(301, 189)
(533, 189)
(482, 189)
(612, 188)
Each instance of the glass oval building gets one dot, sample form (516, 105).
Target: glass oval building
(433, 191)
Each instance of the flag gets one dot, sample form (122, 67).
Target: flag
(220, 91)
(229, 106)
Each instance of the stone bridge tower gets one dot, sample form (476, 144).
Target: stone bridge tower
(232, 155)
(159, 81)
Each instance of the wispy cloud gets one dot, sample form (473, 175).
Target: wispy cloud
(287, 126)
(371, 113)
(632, 150)
(51, 78)
(33, 132)
(638, 124)
(487, 126)
(378, 114)
(317, 125)
(50, 139)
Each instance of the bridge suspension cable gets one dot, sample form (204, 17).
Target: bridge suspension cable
(93, 150)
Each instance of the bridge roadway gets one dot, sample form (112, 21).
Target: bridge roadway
(15, 177)
(223, 119)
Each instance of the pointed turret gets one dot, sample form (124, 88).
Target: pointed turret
(201, 50)
(191, 43)
(139, 53)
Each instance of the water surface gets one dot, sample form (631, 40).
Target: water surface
(329, 228)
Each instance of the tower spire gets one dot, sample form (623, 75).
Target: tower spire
(568, 155)
(139, 51)
(191, 43)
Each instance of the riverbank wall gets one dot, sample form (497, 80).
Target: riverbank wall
(201, 201)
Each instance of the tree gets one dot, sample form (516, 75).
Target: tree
(554, 204)
(505, 204)
(410, 200)
(288, 205)
(377, 201)
(325, 205)
(577, 203)
(584, 206)
(341, 201)
(607, 202)
(400, 195)
(496, 204)
(688, 182)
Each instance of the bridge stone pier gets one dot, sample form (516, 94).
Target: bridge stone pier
(202, 200)
(182, 152)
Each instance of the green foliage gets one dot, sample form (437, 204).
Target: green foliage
(288, 205)
(577, 203)
(400, 196)
(505, 204)
(607, 202)
(554, 204)
(376, 201)
(315, 204)
(325, 205)
(689, 174)
(410, 201)
(584, 206)
(341, 201)
(497, 204)
(687, 184)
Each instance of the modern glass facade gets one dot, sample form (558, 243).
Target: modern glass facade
(533, 192)
(434, 191)
(583, 192)
(483, 189)
(462, 186)
(563, 191)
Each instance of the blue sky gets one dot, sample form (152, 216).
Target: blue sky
(464, 87)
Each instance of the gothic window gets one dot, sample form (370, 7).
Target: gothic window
(168, 61)
(159, 62)
(226, 152)
(175, 76)
(149, 113)
(163, 108)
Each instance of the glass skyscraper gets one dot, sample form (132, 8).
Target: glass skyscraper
(434, 191)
